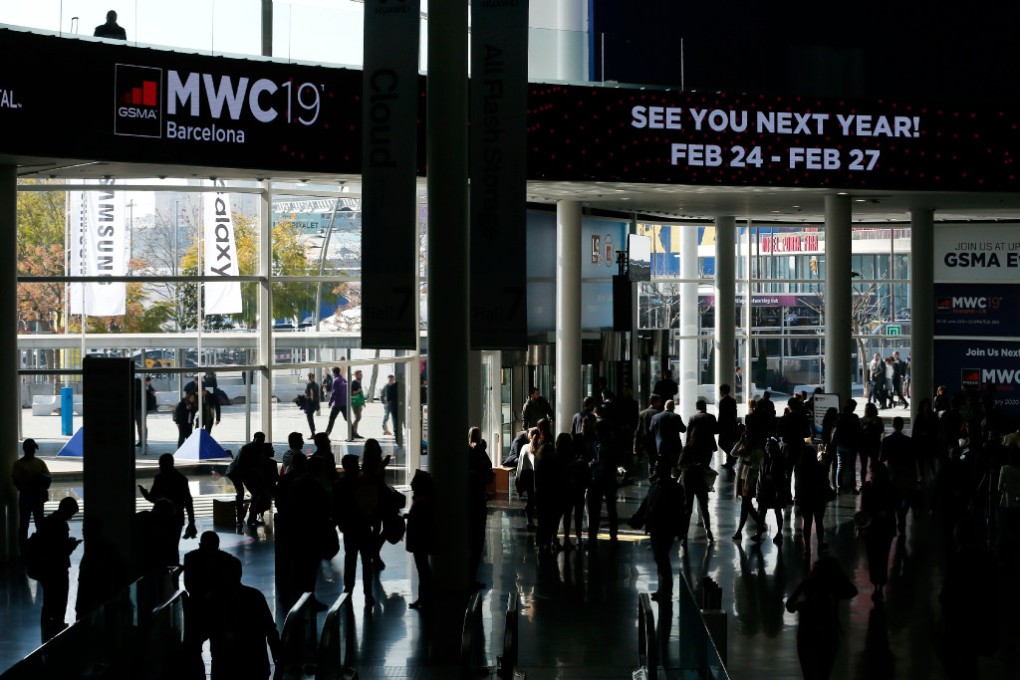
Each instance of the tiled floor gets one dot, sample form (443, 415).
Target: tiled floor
(579, 610)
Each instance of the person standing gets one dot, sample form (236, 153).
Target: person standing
(312, 401)
(52, 546)
(525, 477)
(31, 477)
(693, 464)
(535, 408)
(111, 29)
(337, 398)
(357, 403)
(878, 501)
(900, 378)
(142, 411)
(210, 408)
(479, 476)
(184, 417)
(876, 379)
(421, 537)
(389, 399)
(170, 484)
(666, 387)
(846, 439)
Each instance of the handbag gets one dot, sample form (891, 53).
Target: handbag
(358, 400)
(710, 477)
(394, 527)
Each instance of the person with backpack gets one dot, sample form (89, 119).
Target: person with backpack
(49, 560)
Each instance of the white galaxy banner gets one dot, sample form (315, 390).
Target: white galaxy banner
(220, 256)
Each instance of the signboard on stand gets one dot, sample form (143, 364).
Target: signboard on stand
(822, 403)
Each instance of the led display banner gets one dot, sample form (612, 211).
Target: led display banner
(637, 135)
(977, 253)
(389, 236)
(498, 103)
(977, 309)
(981, 365)
(119, 103)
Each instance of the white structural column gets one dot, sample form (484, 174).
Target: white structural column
(838, 296)
(725, 300)
(568, 313)
(922, 307)
(448, 341)
(475, 396)
(571, 41)
(11, 413)
(690, 369)
(265, 303)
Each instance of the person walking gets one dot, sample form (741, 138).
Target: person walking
(548, 487)
(665, 505)
(313, 399)
(210, 408)
(31, 477)
(813, 493)
(771, 478)
(389, 400)
(872, 431)
(667, 427)
(603, 478)
(184, 417)
(357, 403)
(729, 428)
(207, 574)
(693, 466)
(535, 408)
(878, 509)
(744, 487)
(337, 399)
(51, 548)
(816, 599)
(846, 439)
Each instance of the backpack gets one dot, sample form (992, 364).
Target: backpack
(33, 557)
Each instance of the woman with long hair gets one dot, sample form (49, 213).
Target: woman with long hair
(547, 485)
(479, 475)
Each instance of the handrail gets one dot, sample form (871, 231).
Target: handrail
(102, 640)
(507, 665)
(698, 650)
(298, 640)
(336, 646)
(648, 651)
(163, 658)
(472, 634)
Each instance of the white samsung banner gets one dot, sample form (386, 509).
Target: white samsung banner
(99, 247)
(977, 253)
(220, 256)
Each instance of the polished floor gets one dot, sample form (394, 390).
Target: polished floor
(579, 608)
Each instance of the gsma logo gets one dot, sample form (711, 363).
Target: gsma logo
(137, 110)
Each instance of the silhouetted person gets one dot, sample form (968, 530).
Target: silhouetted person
(257, 471)
(110, 29)
(295, 446)
(900, 454)
(693, 463)
(357, 508)
(243, 630)
(535, 408)
(729, 428)
(665, 508)
(208, 574)
(169, 483)
(420, 539)
(666, 387)
(337, 398)
(878, 500)
(313, 399)
(314, 532)
(159, 535)
(53, 549)
(816, 599)
(31, 477)
(603, 477)
(479, 476)
(666, 427)
(644, 438)
(285, 528)
(813, 493)
(210, 408)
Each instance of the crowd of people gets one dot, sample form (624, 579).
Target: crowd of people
(961, 464)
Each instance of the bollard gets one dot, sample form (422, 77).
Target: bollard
(66, 411)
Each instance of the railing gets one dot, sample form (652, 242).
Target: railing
(472, 640)
(164, 657)
(299, 641)
(702, 633)
(108, 641)
(648, 644)
(506, 664)
(336, 646)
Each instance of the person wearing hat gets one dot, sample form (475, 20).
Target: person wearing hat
(53, 547)
(32, 479)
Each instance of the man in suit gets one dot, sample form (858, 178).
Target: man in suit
(666, 428)
(729, 428)
(208, 574)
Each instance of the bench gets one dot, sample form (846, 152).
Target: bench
(49, 404)
(500, 483)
